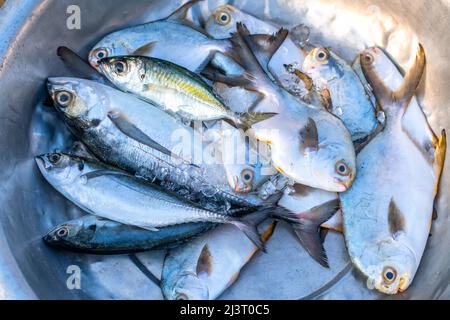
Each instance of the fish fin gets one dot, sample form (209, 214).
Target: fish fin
(180, 14)
(248, 224)
(145, 49)
(307, 226)
(264, 50)
(396, 219)
(79, 66)
(248, 119)
(245, 80)
(309, 136)
(441, 150)
(323, 234)
(435, 215)
(335, 223)
(307, 80)
(101, 173)
(129, 129)
(204, 263)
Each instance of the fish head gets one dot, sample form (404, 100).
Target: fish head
(222, 21)
(377, 58)
(114, 44)
(188, 286)
(390, 266)
(72, 234)
(323, 65)
(124, 71)
(73, 98)
(241, 177)
(58, 168)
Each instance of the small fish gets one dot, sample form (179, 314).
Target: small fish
(308, 144)
(171, 87)
(174, 39)
(139, 138)
(222, 23)
(117, 196)
(388, 210)
(349, 100)
(205, 267)
(95, 235)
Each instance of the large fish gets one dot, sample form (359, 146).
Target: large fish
(95, 235)
(135, 136)
(349, 100)
(120, 197)
(222, 23)
(169, 86)
(206, 266)
(174, 39)
(308, 144)
(388, 210)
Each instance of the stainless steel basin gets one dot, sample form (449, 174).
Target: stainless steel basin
(31, 31)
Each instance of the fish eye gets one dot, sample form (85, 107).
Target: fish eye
(368, 58)
(55, 158)
(322, 55)
(63, 98)
(62, 232)
(120, 67)
(389, 275)
(101, 53)
(342, 168)
(247, 176)
(223, 18)
(182, 296)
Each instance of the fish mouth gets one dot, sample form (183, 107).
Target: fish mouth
(41, 163)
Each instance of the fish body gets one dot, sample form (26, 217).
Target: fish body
(137, 137)
(171, 87)
(117, 196)
(388, 210)
(308, 144)
(203, 268)
(95, 235)
(349, 98)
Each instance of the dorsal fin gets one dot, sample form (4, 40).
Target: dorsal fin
(181, 13)
(265, 46)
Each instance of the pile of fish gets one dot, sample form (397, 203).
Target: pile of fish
(200, 140)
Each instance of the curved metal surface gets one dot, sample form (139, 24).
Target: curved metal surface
(31, 32)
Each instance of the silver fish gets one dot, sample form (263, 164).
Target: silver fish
(206, 266)
(308, 144)
(388, 210)
(117, 196)
(349, 99)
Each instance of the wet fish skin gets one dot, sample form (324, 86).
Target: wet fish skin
(203, 268)
(86, 114)
(94, 235)
(349, 98)
(388, 210)
(167, 85)
(117, 196)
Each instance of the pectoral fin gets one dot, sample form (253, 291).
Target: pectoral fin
(204, 263)
(309, 136)
(101, 173)
(396, 219)
(145, 50)
(441, 150)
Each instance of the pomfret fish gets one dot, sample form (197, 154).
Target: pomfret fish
(206, 266)
(174, 39)
(388, 210)
(171, 87)
(135, 136)
(117, 196)
(222, 23)
(308, 144)
(349, 99)
(96, 235)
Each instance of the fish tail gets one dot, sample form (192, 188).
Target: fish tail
(307, 227)
(401, 97)
(181, 13)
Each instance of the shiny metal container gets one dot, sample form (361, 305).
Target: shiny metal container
(31, 31)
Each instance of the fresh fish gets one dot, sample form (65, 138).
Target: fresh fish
(96, 235)
(117, 196)
(174, 39)
(314, 208)
(137, 137)
(349, 100)
(206, 266)
(222, 23)
(171, 87)
(388, 210)
(308, 144)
